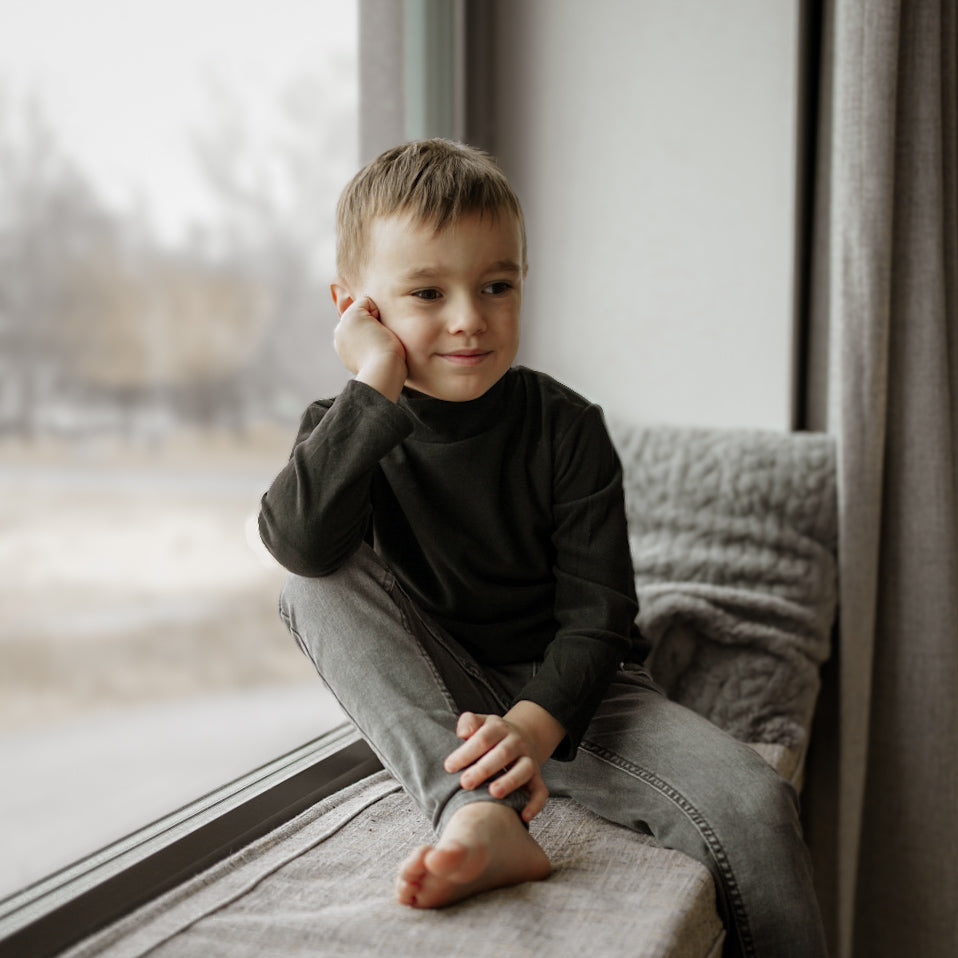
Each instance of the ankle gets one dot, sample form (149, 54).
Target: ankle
(483, 811)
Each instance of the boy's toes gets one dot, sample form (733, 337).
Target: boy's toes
(406, 893)
(413, 867)
(411, 874)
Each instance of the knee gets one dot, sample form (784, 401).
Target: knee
(741, 799)
(314, 592)
(360, 595)
(314, 609)
(294, 590)
(306, 602)
(764, 800)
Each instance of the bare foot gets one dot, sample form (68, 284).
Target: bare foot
(484, 846)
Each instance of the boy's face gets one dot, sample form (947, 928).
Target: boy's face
(452, 298)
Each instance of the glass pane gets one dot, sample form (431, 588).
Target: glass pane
(168, 176)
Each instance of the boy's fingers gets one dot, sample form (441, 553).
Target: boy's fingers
(366, 303)
(462, 757)
(491, 745)
(480, 763)
(472, 749)
(538, 793)
(522, 772)
(469, 723)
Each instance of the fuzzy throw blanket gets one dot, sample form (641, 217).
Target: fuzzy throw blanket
(733, 537)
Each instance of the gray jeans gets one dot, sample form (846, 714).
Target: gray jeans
(644, 762)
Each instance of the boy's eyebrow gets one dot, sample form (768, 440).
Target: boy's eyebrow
(418, 273)
(505, 266)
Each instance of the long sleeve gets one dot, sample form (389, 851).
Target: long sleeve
(317, 510)
(595, 604)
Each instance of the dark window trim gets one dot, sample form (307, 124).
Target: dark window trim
(807, 130)
(61, 910)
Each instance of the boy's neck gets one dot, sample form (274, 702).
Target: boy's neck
(438, 420)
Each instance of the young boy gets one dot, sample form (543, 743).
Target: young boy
(462, 580)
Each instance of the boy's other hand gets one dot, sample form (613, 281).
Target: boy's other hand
(514, 744)
(370, 350)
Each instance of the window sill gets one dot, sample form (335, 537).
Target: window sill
(59, 911)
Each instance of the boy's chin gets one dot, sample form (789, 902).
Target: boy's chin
(464, 391)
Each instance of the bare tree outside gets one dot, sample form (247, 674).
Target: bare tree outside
(150, 385)
(102, 322)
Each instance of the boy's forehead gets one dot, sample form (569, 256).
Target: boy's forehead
(402, 238)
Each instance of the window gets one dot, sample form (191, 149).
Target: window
(168, 173)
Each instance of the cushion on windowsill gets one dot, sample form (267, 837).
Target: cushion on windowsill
(733, 535)
(322, 885)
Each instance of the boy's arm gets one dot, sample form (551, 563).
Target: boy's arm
(595, 603)
(317, 510)
(595, 608)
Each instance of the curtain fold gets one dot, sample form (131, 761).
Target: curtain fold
(885, 330)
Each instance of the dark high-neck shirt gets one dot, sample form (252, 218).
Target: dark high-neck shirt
(502, 518)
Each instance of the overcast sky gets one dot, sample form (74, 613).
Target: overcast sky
(125, 80)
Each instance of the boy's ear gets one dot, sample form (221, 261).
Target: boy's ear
(342, 297)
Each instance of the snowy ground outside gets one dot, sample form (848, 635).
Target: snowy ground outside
(142, 661)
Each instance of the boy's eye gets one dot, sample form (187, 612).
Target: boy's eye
(427, 294)
(498, 287)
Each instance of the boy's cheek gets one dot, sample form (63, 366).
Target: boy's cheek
(396, 331)
(397, 327)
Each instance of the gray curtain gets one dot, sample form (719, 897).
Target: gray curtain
(882, 797)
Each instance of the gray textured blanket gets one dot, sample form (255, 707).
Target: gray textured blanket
(733, 538)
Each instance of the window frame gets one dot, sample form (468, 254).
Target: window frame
(71, 904)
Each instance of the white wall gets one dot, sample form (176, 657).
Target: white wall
(653, 145)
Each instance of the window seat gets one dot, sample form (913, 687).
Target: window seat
(733, 536)
(322, 885)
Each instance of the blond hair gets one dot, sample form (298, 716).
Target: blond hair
(436, 181)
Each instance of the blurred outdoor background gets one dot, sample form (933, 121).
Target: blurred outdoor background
(168, 176)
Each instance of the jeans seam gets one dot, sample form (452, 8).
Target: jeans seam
(384, 760)
(288, 622)
(731, 888)
(424, 654)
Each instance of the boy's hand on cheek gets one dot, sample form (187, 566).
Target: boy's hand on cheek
(493, 744)
(368, 349)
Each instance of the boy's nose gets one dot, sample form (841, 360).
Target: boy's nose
(466, 318)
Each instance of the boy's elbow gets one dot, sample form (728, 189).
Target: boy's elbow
(297, 553)
(308, 568)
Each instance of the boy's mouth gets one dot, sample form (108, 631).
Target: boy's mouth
(466, 357)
